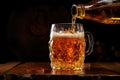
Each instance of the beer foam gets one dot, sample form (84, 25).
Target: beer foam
(61, 34)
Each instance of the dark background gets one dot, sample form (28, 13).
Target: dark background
(25, 27)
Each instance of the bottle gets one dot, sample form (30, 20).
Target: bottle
(102, 11)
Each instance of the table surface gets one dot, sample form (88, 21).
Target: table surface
(98, 68)
(94, 71)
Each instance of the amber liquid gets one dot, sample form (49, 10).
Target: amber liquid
(67, 52)
(107, 14)
(73, 23)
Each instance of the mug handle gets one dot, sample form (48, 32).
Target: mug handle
(89, 43)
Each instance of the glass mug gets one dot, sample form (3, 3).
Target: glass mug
(68, 48)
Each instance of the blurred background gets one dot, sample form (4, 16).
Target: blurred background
(25, 28)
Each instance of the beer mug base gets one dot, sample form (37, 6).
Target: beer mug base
(67, 72)
(70, 67)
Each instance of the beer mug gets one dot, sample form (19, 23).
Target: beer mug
(67, 47)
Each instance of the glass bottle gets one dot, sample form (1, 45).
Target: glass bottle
(103, 11)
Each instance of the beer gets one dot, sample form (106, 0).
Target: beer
(67, 50)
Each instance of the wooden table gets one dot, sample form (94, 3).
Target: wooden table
(42, 70)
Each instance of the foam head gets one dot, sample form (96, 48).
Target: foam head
(68, 34)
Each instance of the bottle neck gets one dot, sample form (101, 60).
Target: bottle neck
(78, 11)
